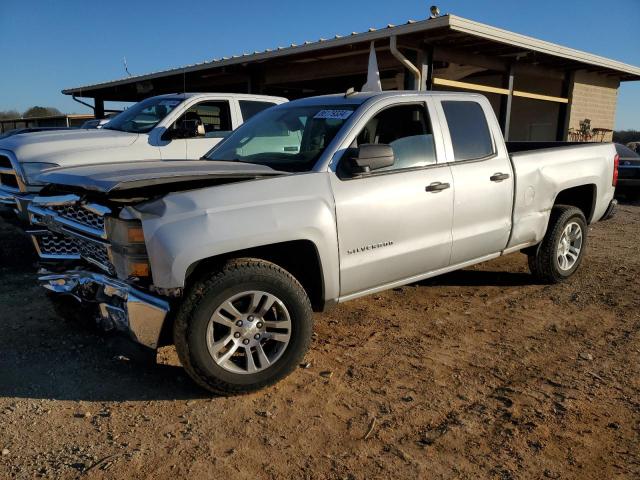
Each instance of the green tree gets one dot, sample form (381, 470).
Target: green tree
(626, 136)
(9, 114)
(38, 111)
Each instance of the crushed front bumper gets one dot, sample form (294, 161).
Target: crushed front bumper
(121, 306)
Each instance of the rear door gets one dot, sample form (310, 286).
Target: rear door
(394, 223)
(482, 176)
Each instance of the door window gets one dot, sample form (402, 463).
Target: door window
(406, 128)
(468, 129)
(213, 118)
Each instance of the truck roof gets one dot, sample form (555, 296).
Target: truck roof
(358, 98)
(247, 96)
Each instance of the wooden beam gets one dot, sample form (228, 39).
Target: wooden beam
(537, 96)
(499, 91)
(470, 86)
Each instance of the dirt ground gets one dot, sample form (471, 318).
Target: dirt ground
(477, 374)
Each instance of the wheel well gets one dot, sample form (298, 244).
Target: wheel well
(582, 197)
(299, 257)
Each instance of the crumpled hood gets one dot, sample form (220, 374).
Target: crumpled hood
(111, 177)
(50, 146)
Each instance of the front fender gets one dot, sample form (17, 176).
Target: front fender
(187, 227)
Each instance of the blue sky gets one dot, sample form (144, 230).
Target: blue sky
(47, 46)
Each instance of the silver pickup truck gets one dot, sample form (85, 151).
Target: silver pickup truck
(308, 204)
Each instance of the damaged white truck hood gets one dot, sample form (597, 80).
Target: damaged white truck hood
(60, 146)
(113, 177)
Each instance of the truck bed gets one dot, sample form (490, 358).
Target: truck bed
(542, 169)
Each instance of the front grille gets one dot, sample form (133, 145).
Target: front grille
(95, 253)
(53, 245)
(73, 228)
(81, 215)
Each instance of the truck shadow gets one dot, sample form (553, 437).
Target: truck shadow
(481, 278)
(44, 357)
(78, 366)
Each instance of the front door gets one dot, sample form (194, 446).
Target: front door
(394, 223)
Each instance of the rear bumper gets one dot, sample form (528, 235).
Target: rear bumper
(121, 306)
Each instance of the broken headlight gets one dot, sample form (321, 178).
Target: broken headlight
(128, 250)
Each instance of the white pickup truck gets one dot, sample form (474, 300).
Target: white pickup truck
(176, 127)
(310, 203)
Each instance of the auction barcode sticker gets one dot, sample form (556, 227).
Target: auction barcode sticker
(334, 114)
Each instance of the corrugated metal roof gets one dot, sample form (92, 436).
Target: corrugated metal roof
(454, 23)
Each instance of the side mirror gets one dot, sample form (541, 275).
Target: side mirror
(372, 156)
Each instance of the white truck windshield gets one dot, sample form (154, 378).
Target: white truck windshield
(144, 115)
(289, 139)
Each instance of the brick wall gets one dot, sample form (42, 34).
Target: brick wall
(594, 97)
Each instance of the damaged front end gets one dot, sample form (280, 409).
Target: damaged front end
(121, 307)
(109, 270)
(90, 239)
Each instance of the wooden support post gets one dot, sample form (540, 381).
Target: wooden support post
(565, 108)
(427, 68)
(98, 109)
(506, 103)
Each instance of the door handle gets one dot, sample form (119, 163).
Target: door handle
(498, 177)
(436, 187)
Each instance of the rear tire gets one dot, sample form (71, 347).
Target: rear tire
(244, 327)
(560, 253)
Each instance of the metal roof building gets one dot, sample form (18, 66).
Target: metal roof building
(539, 90)
(50, 121)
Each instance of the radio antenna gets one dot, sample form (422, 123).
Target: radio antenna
(126, 67)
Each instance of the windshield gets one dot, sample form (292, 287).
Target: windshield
(290, 138)
(144, 115)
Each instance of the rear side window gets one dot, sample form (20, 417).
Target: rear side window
(469, 130)
(249, 108)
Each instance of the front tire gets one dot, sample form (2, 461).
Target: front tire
(561, 251)
(244, 327)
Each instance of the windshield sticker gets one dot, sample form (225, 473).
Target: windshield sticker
(334, 114)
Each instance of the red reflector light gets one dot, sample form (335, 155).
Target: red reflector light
(616, 163)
